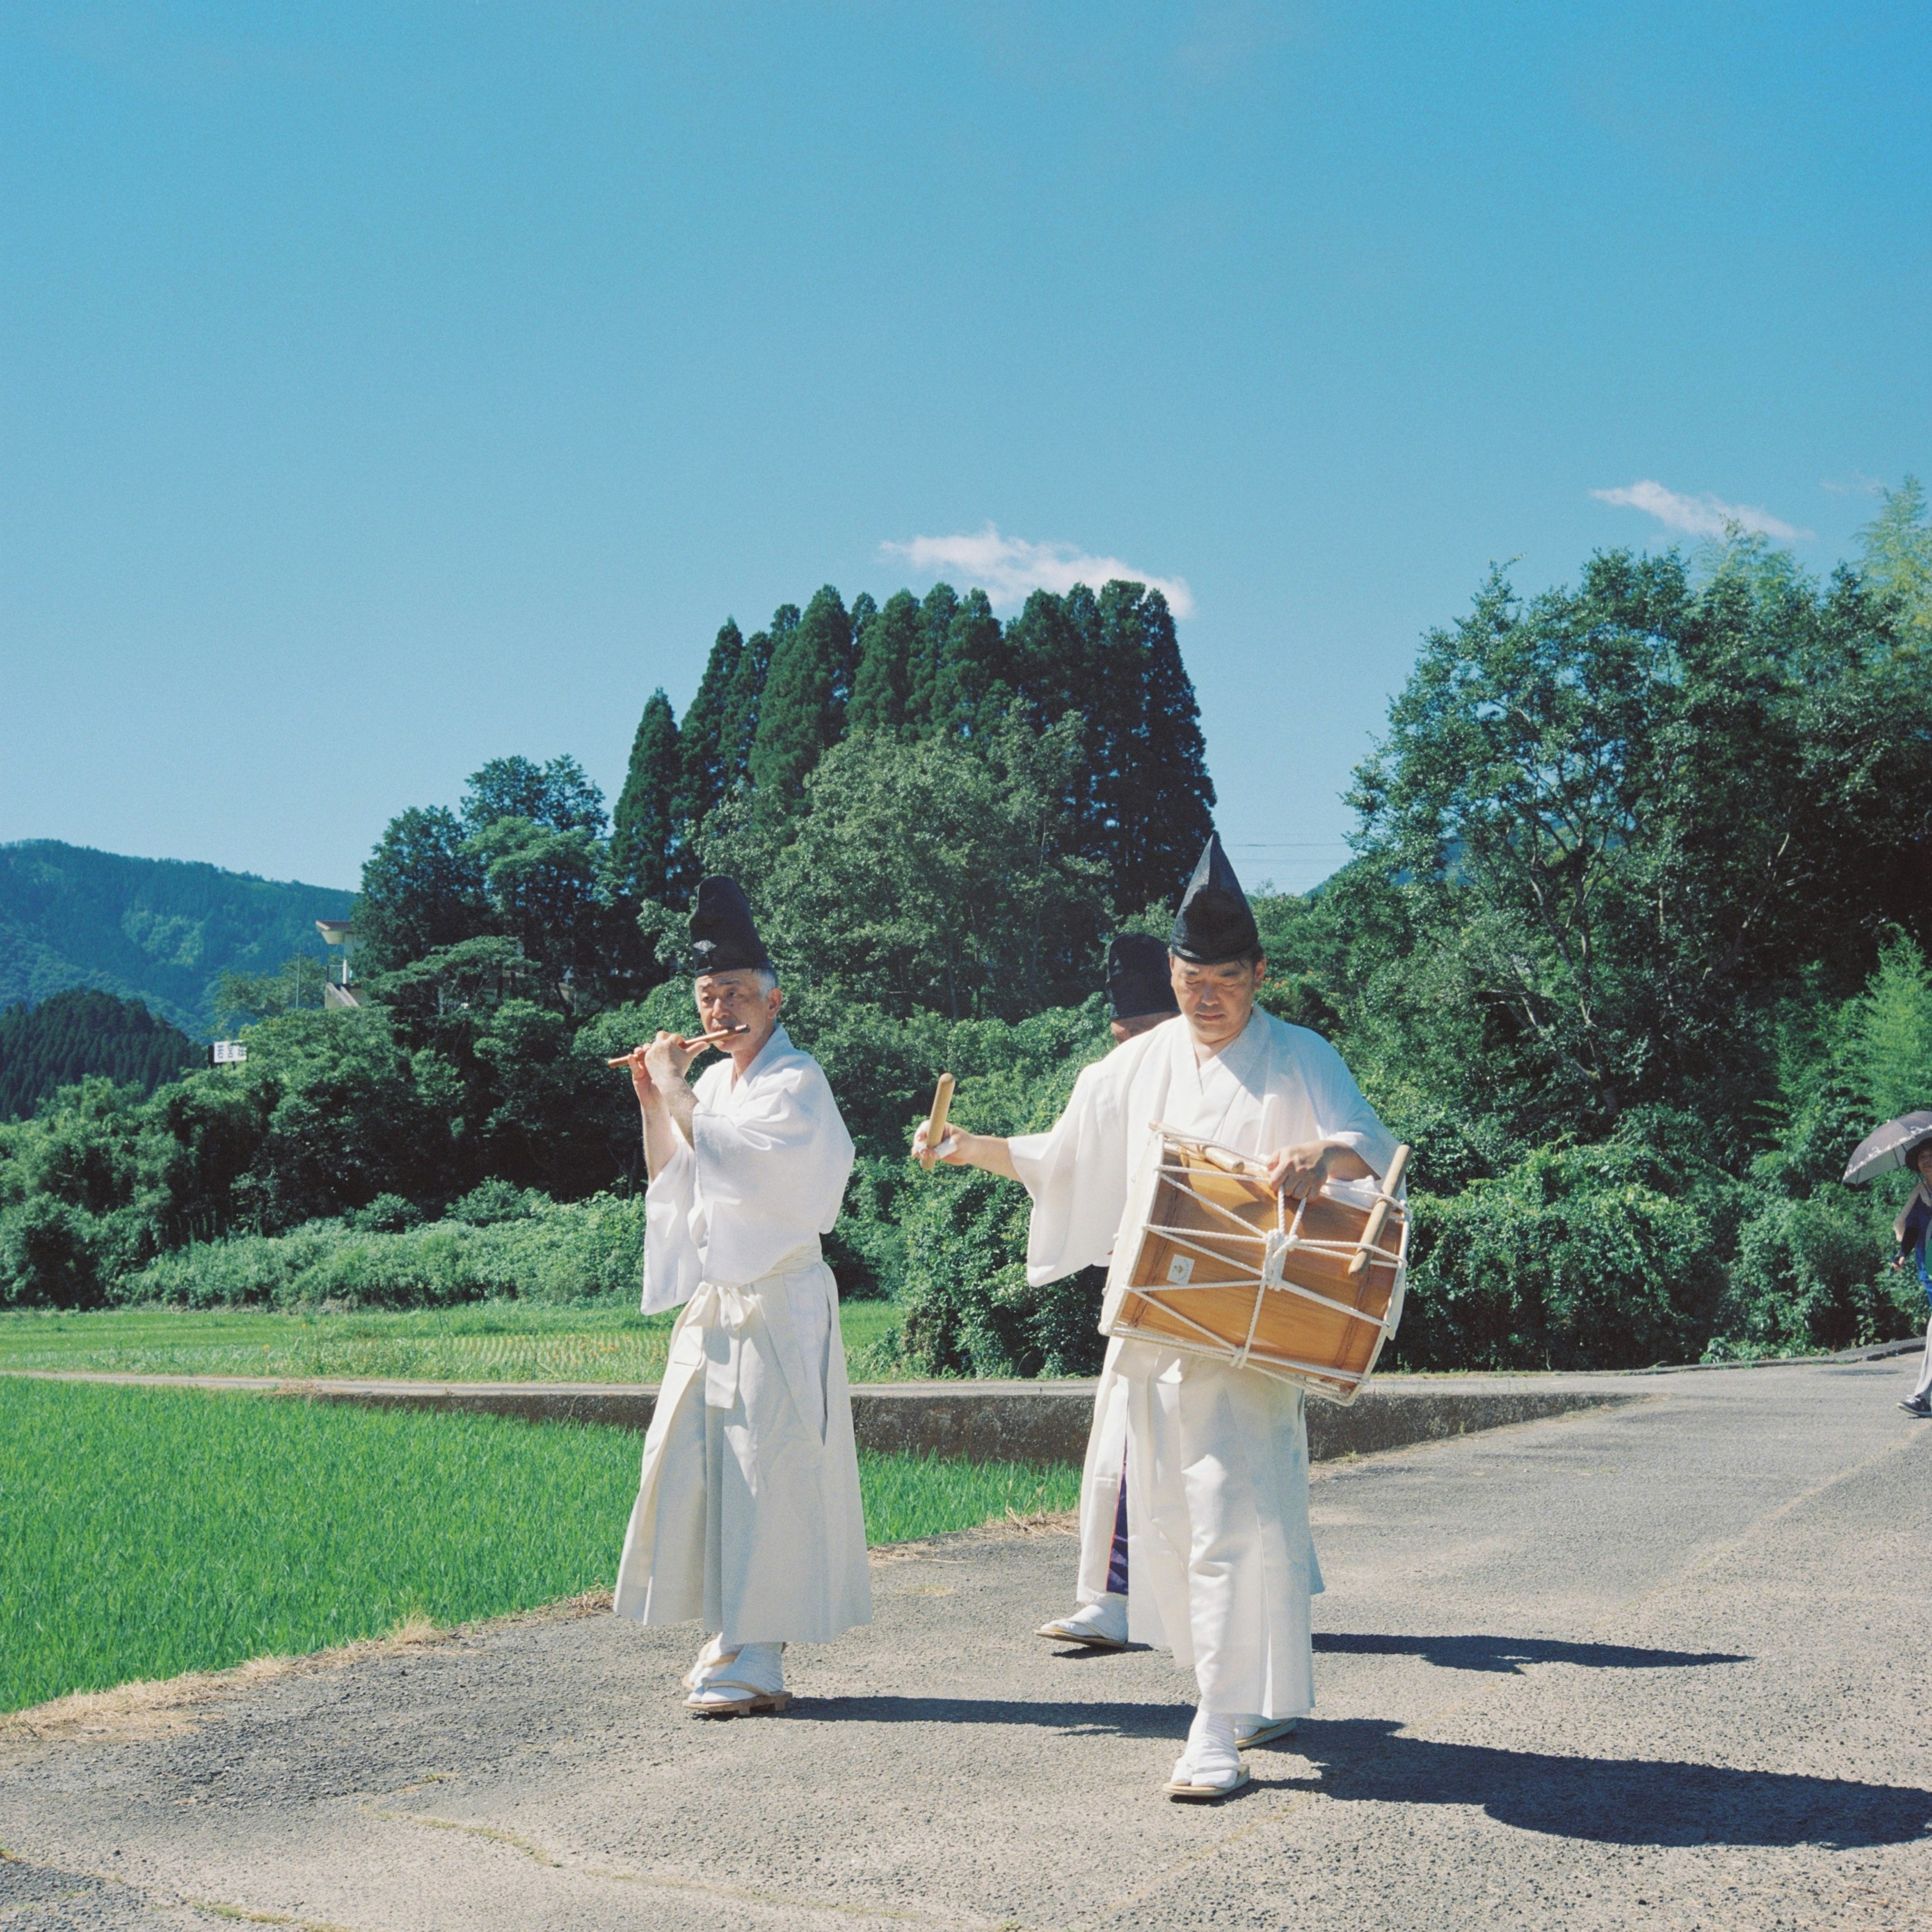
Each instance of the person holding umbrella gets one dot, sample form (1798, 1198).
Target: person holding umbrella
(1906, 1142)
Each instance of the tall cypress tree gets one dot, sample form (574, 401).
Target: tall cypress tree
(701, 765)
(643, 830)
(924, 706)
(738, 726)
(975, 683)
(1157, 800)
(803, 712)
(888, 643)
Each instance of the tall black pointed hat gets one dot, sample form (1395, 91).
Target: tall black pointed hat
(1214, 923)
(1137, 977)
(723, 936)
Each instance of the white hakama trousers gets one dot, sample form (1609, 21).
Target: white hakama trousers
(1220, 1565)
(748, 1516)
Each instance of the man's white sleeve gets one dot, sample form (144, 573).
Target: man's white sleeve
(1077, 1177)
(1341, 1110)
(673, 1231)
(771, 1174)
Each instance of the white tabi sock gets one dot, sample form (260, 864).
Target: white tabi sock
(1108, 1617)
(760, 1665)
(1211, 1757)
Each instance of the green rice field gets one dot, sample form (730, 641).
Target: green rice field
(144, 1532)
(485, 1341)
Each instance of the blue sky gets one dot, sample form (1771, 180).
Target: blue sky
(385, 388)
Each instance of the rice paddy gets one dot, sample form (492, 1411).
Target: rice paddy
(145, 1532)
(487, 1341)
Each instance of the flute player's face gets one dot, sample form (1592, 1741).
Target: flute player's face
(737, 1003)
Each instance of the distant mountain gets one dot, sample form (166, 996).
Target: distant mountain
(66, 1038)
(162, 931)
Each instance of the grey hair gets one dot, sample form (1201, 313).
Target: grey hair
(766, 977)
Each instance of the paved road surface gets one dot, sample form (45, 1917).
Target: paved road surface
(1664, 1666)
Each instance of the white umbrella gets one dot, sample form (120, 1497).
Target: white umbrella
(1880, 1152)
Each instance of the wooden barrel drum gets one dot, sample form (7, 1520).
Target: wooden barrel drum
(1212, 1262)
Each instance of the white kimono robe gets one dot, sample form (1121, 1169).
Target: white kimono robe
(747, 1515)
(1220, 1565)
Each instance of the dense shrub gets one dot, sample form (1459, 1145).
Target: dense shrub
(548, 1251)
(1572, 1259)
(1809, 1274)
(968, 1309)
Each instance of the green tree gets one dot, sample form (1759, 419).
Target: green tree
(973, 688)
(1625, 817)
(738, 723)
(559, 795)
(643, 833)
(802, 711)
(1897, 562)
(702, 778)
(925, 699)
(421, 889)
(931, 875)
(888, 642)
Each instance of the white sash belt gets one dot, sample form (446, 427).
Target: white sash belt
(729, 1306)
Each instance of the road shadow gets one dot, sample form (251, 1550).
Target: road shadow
(1075, 1718)
(1608, 1801)
(1366, 1760)
(1508, 1653)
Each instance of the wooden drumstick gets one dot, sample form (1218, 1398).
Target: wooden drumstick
(1378, 1213)
(935, 1123)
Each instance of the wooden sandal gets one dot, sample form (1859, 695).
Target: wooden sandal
(1204, 1794)
(1265, 1734)
(1061, 1633)
(754, 1700)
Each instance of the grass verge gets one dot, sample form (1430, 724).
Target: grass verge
(481, 1342)
(147, 1532)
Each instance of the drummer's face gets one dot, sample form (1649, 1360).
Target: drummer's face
(1216, 1000)
(1922, 1160)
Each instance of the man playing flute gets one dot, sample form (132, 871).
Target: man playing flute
(748, 1515)
(1221, 1565)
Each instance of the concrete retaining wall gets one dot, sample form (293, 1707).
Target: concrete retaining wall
(982, 1422)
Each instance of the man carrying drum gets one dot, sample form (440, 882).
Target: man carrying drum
(1221, 1564)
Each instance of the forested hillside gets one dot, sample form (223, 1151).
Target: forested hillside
(1633, 951)
(159, 930)
(66, 1039)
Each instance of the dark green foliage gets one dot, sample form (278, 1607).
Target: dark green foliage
(801, 708)
(925, 700)
(422, 888)
(933, 876)
(1576, 1258)
(702, 778)
(72, 1035)
(888, 641)
(152, 929)
(559, 795)
(738, 717)
(974, 689)
(643, 854)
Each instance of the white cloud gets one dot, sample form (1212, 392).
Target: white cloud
(1699, 516)
(1007, 568)
(1857, 484)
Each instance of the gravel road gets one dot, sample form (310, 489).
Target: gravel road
(1659, 1665)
